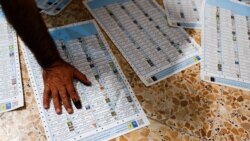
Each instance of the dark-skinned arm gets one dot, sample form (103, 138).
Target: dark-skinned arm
(58, 75)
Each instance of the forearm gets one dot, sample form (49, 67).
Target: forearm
(29, 25)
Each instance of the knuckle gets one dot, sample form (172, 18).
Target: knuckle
(64, 96)
(73, 93)
(75, 97)
(46, 96)
(56, 103)
(55, 96)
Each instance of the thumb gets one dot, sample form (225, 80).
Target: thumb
(82, 77)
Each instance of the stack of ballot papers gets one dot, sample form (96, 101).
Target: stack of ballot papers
(110, 107)
(52, 7)
(11, 91)
(140, 31)
(156, 50)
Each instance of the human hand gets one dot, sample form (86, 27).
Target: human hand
(58, 85)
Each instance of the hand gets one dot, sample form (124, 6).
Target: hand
(58, 84)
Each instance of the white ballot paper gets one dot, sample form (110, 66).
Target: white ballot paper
(226, 43)
(109, 106)
(184, 13)
(140, 31)
(11, 91)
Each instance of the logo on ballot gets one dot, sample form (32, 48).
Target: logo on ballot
(132, 125)
(197, 58)
(2, 107)
(8, 106)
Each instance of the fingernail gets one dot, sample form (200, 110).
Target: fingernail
(69, 110)
(89, 83)
(46, 107)
(58, 111)
(78, 104)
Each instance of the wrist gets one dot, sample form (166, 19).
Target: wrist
(53, 63)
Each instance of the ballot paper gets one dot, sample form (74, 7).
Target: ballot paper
(226, 43)
(11, 91)
(110, 107)
(140, 31)
(184, 13)
(52, 7)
